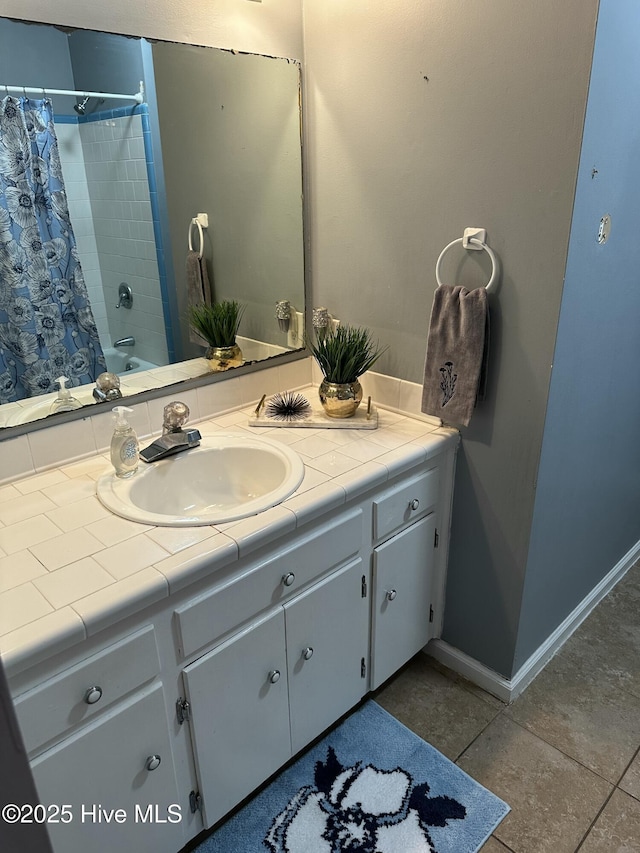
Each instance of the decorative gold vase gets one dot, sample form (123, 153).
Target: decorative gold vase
(222, 358)
(340, 399)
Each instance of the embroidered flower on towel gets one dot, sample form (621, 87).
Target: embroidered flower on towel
(448, 382)
(360, 809)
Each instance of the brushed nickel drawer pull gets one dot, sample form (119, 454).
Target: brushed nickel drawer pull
(93, 695)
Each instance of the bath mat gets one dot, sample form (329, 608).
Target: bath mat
(370, 786)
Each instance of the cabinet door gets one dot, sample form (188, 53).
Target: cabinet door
(327, 647)
(239, 714)
(121, 798)
(402, 579)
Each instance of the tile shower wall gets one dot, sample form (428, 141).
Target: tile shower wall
(116, 170)
(75, 178)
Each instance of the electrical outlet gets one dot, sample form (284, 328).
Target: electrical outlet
(295, 335)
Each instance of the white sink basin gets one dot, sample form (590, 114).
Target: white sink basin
(226, 478)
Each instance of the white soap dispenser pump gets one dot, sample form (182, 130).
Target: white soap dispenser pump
(64, 402)
(124, 444)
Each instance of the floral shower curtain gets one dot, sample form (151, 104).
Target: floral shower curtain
(47, 328)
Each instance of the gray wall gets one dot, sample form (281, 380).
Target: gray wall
(586, 515)
(106, 63)
(230, 131)
(399, 166)
(31, 55)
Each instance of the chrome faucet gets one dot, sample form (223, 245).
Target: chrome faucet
(173, 439)
(107, 387)
(125, 296)
(129, 341)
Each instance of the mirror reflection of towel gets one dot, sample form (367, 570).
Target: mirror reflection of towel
(198, 289)
(455, 350)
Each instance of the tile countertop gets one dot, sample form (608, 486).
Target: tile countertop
(70, 568)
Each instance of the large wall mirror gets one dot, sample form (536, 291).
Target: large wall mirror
(108, 284)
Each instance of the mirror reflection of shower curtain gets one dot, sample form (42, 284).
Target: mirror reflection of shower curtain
(47, 328)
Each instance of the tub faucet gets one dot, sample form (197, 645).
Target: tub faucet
(173, 439)
(129, 341)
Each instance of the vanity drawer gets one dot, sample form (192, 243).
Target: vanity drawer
(83, 690)
(405, 503)
(225, 608)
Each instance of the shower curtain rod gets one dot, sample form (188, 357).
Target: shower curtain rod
(22, 90)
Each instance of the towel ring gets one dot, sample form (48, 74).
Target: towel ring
(196, 222)
(481, 245)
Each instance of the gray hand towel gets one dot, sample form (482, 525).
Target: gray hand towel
(198, 288)
(455, 351)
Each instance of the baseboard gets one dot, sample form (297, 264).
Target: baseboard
(507, 689)
(471, 669)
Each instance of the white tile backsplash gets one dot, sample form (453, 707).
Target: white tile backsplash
(15, 459)
(56, 446)
(73, 569)
(74, 440)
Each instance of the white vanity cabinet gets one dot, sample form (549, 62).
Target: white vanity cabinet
(164, 720)
(117, 776)
(327, 651)
(239, 714)
(405, 576)
(101, 754)
(265, 692)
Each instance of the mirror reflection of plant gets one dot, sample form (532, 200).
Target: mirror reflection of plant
(218, 323)
(345, 353)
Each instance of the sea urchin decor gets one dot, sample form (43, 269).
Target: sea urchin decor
(288, 406)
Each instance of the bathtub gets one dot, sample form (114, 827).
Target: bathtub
(121, 362)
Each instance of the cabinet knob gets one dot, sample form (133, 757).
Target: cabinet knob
(274, 676)
(307, 653)
(93, 695)
(391, 594)
(153, 762)
(288, 579)
(414, 504)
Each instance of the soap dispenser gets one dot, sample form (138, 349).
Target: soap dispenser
(124, 444)
(64, 402)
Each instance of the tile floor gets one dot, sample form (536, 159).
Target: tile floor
(565, 754)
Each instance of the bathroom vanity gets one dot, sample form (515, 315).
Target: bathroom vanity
(154, 706)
